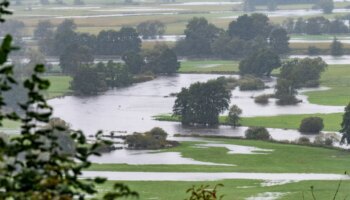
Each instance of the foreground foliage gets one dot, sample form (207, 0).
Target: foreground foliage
(33, 164)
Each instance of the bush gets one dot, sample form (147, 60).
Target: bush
(326, 139)
(153, 139)
(257, 133)
(250, 83)
(262, 99)
(311, 125)
(312, 50)
(287, 100)
(303, 140)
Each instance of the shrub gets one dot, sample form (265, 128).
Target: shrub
(153, 139)
(303, 140)
(287, 100)
(257, 133)
(311, 125)
(250, 83)
(312, 50)
(326, 139)
(262, 99)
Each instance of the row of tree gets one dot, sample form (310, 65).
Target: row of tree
(56, 41)
(243, 36)
(315, 26)
(91, 79)
(250, 5)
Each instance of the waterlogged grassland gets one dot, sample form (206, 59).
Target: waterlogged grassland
(283, 159)
(209, 66)
(337, 77)
(235, 189)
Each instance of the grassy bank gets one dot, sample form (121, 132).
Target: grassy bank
(337, 77)
(331, 121)
(305, 159)
(235, 189)
(59, 86)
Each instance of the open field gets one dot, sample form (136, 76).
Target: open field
(337, 77)
(283, 159)
(209, 66)
(99, 15)
(236, 189)
(59, 86)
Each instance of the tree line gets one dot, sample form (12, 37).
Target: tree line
(242, 37)
(315, 26)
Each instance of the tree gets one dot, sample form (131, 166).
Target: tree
(199, 36)
(311, 125)
(118, 42)
(337, 48)
(279, 41)
(64, 36)
(249, 27)
(345, 126)
(162, 60)
(25, 172)
(74, 57)
(134, 62)
(260, 63)
(43, 29)
(326, 5)
(234, 115)
(285, 92)
(151, 29)
(303, 72)
(201, 103)
(87, 81)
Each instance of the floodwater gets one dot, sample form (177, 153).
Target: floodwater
(156, 157)
(148, 157)
(207, 176)
(132, 109)
(293, 13)
(205, 3)
(331, 60)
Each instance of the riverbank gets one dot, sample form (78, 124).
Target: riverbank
(331, 121)
(243, 156)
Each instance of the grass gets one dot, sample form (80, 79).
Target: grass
(209, 66)
(331, 121)
(337, 77)
(283, 159)
(234, 189)
(59, 86)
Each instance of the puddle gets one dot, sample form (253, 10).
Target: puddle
(331, 60)
(267, 196)
(147, 157)
(238, 149)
